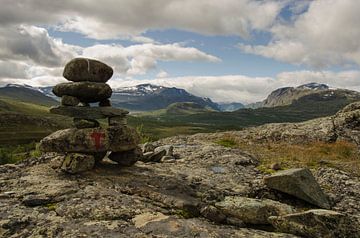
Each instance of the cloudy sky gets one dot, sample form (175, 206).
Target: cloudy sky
(228, 50)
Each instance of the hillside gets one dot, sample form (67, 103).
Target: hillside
(26, 94)
(305, 108)
(23, 122)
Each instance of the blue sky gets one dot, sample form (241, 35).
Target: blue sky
(231, 50)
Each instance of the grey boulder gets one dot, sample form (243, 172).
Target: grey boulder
(126, 158)
(91, 140)
(89, 112)
(299, 183)
(84, 69)
(87, 92)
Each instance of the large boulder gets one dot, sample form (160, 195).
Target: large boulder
(252, 211)
(91, 140)
(83, 69)
(299, 183)
(89, 112)
(318, 223)
(85, 91)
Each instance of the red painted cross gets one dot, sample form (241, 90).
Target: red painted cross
(97, 138)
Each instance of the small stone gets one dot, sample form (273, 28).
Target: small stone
(67, 100)
(85, 123)
(299, 183)
(84, 104)
(126, 158)
(153, 156)
(317, 223)
(85, 91)
(88, 112)
(275, 166)
(252, 211)
(218, 170)
(117, 121)
(76, 163)
(35, 200)
(169, 149)
(213, 214)
(167, 159)
(105, 103)
(148, 147)
(84, 69)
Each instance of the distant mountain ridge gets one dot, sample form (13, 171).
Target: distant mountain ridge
(288, 95)
(148, 97)
(27, 93)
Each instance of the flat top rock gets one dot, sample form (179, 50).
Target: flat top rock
(84, 69)
(88, 112)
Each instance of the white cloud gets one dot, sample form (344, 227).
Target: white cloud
(162, 74)
(110, 19)
(139, 59)
(327, 34)
(31, 43)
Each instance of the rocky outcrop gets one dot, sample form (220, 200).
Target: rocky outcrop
(344, 125)
(253, 211)
(318, 224)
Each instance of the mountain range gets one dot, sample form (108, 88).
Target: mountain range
(149, 97)
(288, 95)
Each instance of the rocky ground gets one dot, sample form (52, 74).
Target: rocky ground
(175, 199)
(207, 191)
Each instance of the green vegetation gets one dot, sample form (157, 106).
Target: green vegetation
(227, 142)
(342, 155)
(13, 154)
(23, 122)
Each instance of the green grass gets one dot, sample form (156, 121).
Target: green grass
(13, 154)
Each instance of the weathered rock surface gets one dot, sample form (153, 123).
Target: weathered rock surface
(253, 211)
(85, 123)
(67, 100)
(299, 183)
(85, 91)
(89, 112)
(105, 103)
(84, 69)
(117, 121)
(90, 140)
(76, 163)
(318, 224)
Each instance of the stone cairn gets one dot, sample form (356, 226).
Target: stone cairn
(88, 142)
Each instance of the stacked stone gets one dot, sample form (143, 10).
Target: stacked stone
(87, 142)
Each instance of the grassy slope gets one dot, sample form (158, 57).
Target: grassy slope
(23, 122)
